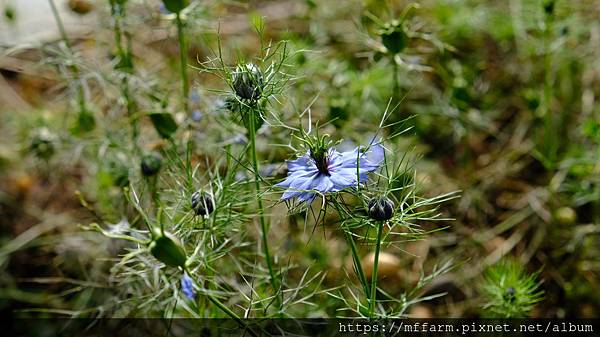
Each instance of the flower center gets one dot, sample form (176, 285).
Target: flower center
(321, 161)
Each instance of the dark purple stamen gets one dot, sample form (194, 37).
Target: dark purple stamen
(321, 162)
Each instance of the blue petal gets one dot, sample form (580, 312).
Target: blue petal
(373, 158)
(288, 194)
(370, 160)
(303, 163)
(187, 286)
(297, 183)
(304, 178)
(347, 158)
(307, 197)
(343, 178)
(290, 180)
(322, 183)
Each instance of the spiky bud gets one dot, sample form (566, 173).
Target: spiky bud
(42, 143)
(202, 203)
(509, 294)
(167, 249)
(549, 6)
(151, 164)
(393, 37)
(248, 81)
(175, 6)
(509, 290)
(381, 208)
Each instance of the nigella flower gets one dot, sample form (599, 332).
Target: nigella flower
(194, 96)
(187, 286)
(323, 170)
(197, 115)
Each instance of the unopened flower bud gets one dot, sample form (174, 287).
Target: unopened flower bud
(248, 81)
(509, 294)
(202, 203)
(381, 209)
(9, 14)
(167, 249)
(549, 6)
(81, 7)
(151, 164)
(42, 143)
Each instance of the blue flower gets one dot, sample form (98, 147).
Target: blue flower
(194, 96)
(187, 286)
(197, 115)
(330, 172)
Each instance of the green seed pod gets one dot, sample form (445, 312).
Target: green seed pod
(532, 98)
(381, 208)
(151, 164)
(85, 122)
(248, 81)
(9, 14)
(549, 6)
(175, 6)
(167, 249)
(393, 37)
(565, 216)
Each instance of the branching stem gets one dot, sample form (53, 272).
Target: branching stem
(263, 224)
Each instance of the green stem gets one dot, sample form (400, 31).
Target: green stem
(59, 23)
(154, 192)
(550, 128)
(74, 68)
(355, 257)
(116, 14)
(374, 274)
(131, 112)
(185, 91)
(397, 113)
(396, 85)
(183, 61)
(357, 263)
(231, 314)
(263, 224)
(226, 310)
(125, 55)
